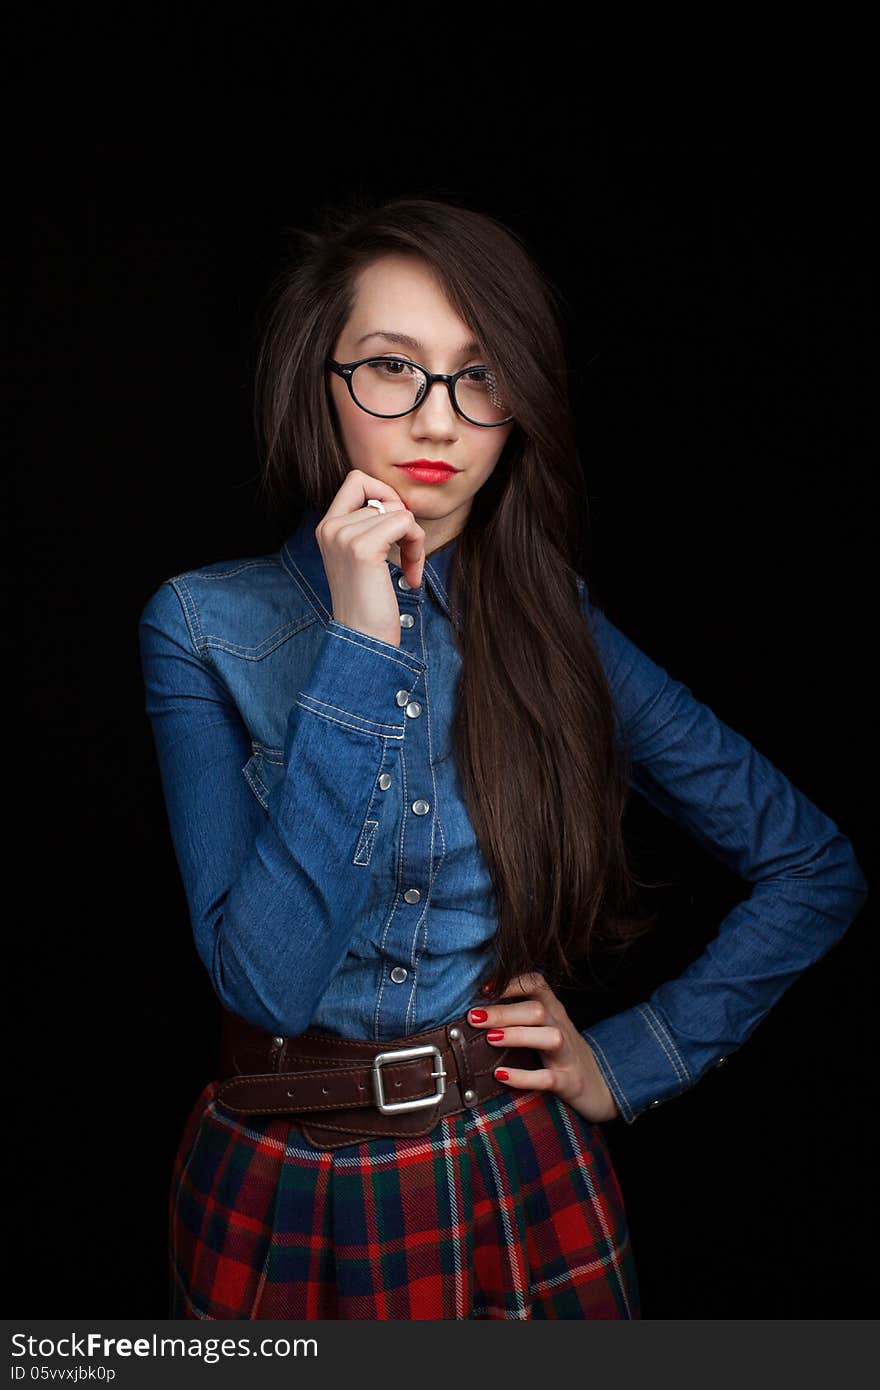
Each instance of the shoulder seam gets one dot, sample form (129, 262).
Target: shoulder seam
(190, 614)
(209, 572)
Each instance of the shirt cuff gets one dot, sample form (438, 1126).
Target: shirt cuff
(640, 1062)
(359, 682)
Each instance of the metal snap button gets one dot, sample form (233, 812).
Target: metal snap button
(413, 709)
(385, 780)
(402, 697)
(406, 620)
(412, 895)
(454, 1033)
(470, 1097)
(398, 974)
(420, 808)
(403, 582)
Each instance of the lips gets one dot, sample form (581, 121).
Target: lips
(434, 464)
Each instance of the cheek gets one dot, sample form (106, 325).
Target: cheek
(491, 455)
(358, 430)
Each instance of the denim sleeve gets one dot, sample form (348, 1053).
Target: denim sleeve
(273, 895)
(807, 885)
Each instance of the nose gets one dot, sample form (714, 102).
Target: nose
(436, 414)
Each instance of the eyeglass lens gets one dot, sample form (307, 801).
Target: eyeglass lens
(390, 387)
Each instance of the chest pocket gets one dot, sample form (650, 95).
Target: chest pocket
(265, 768)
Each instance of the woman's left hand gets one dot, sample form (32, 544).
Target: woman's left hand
(541, 1022)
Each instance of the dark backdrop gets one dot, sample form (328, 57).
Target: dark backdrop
(708, 232)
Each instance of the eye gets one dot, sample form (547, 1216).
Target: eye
(480, 376)
(390, 366)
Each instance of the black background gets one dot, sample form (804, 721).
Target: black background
(702, 205)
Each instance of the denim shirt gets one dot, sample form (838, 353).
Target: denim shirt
(332, 874)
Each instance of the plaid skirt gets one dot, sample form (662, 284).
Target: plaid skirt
(509, 1210)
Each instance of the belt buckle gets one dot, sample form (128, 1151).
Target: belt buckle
(403, 1055)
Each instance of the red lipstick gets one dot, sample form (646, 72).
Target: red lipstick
(428, 470)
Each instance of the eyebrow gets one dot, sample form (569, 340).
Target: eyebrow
(405, 340)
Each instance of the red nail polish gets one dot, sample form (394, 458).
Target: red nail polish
(495, 1034)
(478, 1015)
(501, 1074)
(488, 987)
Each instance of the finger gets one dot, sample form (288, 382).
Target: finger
(532, 1011)
(381, 529)
(355, 490)
(412, 558)
(541, 1079)
(350, 511)
(367, 518)
(385, 529)
(546, 1038)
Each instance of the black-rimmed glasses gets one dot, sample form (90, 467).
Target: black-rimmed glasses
(393, 386)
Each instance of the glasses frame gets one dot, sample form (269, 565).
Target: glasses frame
(346, 371)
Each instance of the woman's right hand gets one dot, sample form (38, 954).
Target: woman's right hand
(354, 540)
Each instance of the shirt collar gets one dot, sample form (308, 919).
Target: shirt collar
(301, 556)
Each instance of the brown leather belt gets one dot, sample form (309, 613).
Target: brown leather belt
(358, 1089)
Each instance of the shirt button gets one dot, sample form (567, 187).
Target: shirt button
(413, 709)
(420, 808)
(403, 582)
(406, 620)
(402, 697)
(398, 974)
(721, 1061)
(385, 781)
(412, 895)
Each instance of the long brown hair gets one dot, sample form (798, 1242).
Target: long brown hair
(544, 779)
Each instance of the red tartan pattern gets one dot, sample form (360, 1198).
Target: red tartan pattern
(510, 1210)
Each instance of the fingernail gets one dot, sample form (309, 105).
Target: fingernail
(501, 1074)
(478, 1015)
(488, 987)
(495, 1034)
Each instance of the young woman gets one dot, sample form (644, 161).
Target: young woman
(395, 757)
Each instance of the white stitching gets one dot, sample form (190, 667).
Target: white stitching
(191, 615)
(671, 1051)
(366, 646)
(375, 729)
(416, 950)
(266, 647)
(299, 579)
(227, 574)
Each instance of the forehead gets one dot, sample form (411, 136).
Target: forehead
(403, 293)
